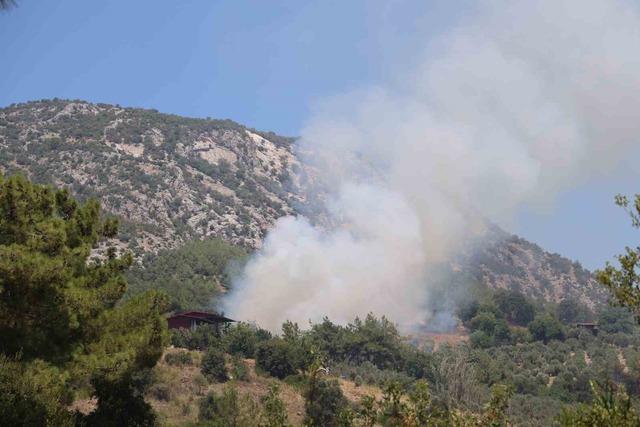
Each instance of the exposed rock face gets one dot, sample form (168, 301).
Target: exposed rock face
(172, 179)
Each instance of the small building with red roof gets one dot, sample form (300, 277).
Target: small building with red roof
(192, 319)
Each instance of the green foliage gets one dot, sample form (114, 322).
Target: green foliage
(373, 340)
(274, 410)
(203, 337)
(480, 339)
(615, 319)
(276, 357)
(609, 408)
(45, 240)
(191, 275)
(515, 307)
(120, 403)
(417, 409)
(239, 369)
(213, 365)
(624, 282)
(392, 408)
(242, 339)
(569, 310)
(59, 313)
(220, 410)
(484, 322)
(546, 328)
(32, 394)
(179, 358)
(368, 373)
(499, 318)
(324, 402)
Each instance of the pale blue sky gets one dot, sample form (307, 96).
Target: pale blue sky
(263, 64)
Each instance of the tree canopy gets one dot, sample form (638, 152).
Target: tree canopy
(192, 275)
(61, 319)
(624, 282)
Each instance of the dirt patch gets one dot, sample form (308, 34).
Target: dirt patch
(84, 406)
(354, 393)
(623, 362)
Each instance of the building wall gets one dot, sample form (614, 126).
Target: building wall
(179, 322)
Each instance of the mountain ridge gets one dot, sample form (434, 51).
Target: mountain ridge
(173, 179)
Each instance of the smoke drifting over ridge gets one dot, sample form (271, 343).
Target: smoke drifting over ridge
(520, 102)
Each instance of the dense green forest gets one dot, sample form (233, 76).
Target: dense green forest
(192, 276)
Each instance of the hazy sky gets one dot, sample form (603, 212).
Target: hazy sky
(264, 64)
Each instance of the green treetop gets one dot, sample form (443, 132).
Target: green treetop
(60, 319)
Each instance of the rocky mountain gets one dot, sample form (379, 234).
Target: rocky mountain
(510, 262)
(169, 178)
(173, 179)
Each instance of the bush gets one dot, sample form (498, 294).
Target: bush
(161, 392)
(239, 369)
(275, 357)
(213, 365)
(242, 339)
(615, 319)
(520, 335)
(274, 409)
(368, 373)
(515, 306)
(220, 410)
(203, 337)
(546, 328)
(324, 402)
(483, 321)
(480, 339)
(180, 358)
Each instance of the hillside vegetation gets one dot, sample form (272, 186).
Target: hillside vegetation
(193, 276)
(76, 353)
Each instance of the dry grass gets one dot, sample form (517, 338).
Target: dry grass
(186, 386)
(354, 392)
(178, 389)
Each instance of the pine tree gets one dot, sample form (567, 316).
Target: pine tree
(60, 319)
(624, 282)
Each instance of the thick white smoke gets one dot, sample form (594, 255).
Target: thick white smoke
(520, 102)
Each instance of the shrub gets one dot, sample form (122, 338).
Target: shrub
(179, 358)
(239, 369)
(220, 410)
(520, 335)
(324, 402)
(515, 306)
(368, 373)
(274, 409)
(483, 321)
(213, 365)
(480, 339)
(242, 339)
(275, 357)
(203, 337)
(161, 392)
(546, 328)
(615, 319)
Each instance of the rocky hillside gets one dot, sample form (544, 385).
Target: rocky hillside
(172, 179)
(511, 262)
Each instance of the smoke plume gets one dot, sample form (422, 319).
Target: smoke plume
(521, 101)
